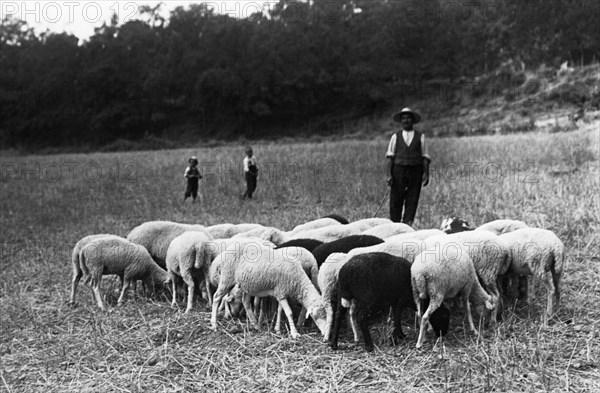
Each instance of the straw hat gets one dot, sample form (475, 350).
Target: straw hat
(415, 115)
(193, 159)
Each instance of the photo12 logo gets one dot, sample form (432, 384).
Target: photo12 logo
(55, 12)
(69, 171)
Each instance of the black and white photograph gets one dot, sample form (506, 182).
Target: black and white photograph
(300, 196)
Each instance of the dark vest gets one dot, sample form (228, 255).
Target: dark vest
(408, 155)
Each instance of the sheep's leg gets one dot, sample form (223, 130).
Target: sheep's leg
(354, 322)
(340, 313)
(174, 286)
(77, 274)
(98, 293)
(278, 320)
(550, 294)
(249, 312)
(190, 299)
(288, 313)
(207, 286)
(302, 317)
(329, 318)
(219, 295)
(467, 304)
(434, 304)
(363, 321)
(397, 333)
(124, 289)
(257, 308)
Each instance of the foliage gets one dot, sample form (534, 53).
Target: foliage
(302, 63)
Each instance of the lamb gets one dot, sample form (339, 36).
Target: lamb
(371, 282)
(315, 224)
(338, 218)
(443, 275)
(489, 254)
(539, 253)
(270, 234)
(309, 244)
(75, 260)
(390, 229)
(188, 258)
(114, 255)
(344, 245)
(157, 235)
(368, 223)
(327, 234)
(271, 272)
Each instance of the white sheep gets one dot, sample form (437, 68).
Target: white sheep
(445, 273)
(157, 235)
(268, 272)
(319, 223)
(420, 235)
(539, 253)
(189, 258)
(389, 229)
(114, 255)
(327, 234)
(367, 223)
(489, 253)
(75, 260)
(499, 227)
(408, 248)
(271, 234)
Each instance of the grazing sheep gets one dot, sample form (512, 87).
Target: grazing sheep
(327, 280)
(489, 254)
(114, 255)
(309, 244)
(390, 229)
(327, 234)
(315, 224)
(75, 260)
(499, 227)
(369, 283)
(368, 223)
(443, 275)
(338, 218)
(539, 253)
(157, 235)
(188, 258)
(344, 244)
(420, 235)
(271, 234)
(269, 273)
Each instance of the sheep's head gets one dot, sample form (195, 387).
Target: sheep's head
(440, 320)
(319, 315)
(454, 225)
(234, 301)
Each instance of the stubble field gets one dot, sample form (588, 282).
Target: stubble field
(49, 202)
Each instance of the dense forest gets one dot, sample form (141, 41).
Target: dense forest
(199, 74)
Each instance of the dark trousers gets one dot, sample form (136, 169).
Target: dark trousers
(192, 188)
(250, 185)
(405, 191)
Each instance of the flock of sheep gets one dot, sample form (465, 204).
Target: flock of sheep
(330, 266)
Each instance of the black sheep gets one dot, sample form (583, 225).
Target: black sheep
(344, 245)
(375, 282)
(454, 225)
(309, 244)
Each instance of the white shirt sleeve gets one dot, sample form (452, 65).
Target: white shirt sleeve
(424, 150)
(391, 147)
(187, 170)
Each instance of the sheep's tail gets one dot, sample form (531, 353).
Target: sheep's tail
(84, 269)
(556, 265)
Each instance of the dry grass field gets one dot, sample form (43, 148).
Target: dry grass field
(549, 180)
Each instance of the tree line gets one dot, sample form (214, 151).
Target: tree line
(199, 74)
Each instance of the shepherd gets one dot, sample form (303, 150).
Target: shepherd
(408, 167)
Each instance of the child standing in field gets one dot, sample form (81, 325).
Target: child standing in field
(192, 174)
(250, 173)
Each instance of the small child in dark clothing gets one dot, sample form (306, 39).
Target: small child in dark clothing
(192, 174)
(250, 173)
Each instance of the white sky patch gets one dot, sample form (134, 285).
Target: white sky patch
(81, 17)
